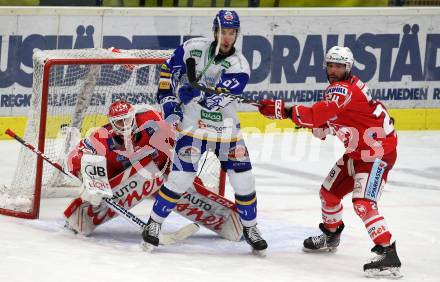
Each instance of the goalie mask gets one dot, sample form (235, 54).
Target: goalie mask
(122, 117)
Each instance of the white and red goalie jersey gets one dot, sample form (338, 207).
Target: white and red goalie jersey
(348, 111)
(105, 142)
(136, 167)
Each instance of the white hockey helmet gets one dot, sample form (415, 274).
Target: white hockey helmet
(340, 55)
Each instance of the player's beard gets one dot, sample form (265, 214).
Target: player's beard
(332, 78)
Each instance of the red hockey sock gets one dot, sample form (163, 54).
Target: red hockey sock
(374, 223)
(331, 208)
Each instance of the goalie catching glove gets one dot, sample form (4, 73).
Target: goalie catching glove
(273, 109)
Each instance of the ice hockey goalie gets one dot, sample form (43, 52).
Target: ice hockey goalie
(132, 154)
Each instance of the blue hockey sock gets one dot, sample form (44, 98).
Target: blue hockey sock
(165, 202)
(247, 208)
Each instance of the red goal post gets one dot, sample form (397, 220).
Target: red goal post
(72, 90)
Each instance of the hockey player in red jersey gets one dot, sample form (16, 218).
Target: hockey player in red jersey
(133, 166)
(364, 126)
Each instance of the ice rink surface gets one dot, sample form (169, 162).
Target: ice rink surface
(289, 169)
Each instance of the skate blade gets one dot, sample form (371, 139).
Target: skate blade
(389, 273)
(323, 250)
(147, 247)
(261, 253)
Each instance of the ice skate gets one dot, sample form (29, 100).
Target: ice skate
(385, 264)
(326, 242)
(150, 235)
(254, 239)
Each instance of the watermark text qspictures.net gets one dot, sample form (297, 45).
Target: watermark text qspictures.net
(270, 145)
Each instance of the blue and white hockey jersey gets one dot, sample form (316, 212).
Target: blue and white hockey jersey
(228, 73)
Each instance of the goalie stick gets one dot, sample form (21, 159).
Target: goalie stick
(192, 79)
(165, 239)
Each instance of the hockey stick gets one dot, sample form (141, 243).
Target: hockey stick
(192, 78)
(166, 239)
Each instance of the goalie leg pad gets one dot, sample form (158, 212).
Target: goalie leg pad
(79, 216)
(212, 211)
(180, 181)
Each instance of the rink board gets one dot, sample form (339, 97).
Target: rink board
(253, 122)
(397, 53)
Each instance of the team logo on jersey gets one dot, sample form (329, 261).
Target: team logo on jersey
(189, 154)
(196, 53)
(212, 116)
(226, 64)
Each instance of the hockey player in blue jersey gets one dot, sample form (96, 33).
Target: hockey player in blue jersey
(207, 121)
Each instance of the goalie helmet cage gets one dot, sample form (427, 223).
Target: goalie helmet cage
(72, 90)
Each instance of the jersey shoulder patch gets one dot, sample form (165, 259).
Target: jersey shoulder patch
(237, 63)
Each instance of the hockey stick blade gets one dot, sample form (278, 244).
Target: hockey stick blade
(179, 235)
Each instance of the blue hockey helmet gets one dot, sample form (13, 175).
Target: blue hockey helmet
(228, 19)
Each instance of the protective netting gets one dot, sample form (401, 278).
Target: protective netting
(79, 94)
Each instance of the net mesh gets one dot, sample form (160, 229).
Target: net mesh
(79, 95)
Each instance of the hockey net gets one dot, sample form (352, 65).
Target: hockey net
(72, 90)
